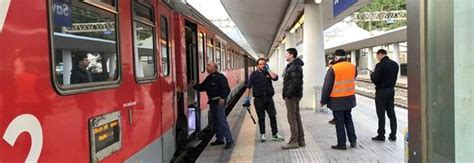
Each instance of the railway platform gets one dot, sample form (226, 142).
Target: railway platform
(319, 135)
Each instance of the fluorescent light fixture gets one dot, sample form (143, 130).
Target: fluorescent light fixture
(317, 1)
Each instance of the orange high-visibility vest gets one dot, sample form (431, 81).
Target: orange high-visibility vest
(344, 84)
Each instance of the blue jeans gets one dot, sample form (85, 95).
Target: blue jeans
(344, 123)
(220, 123)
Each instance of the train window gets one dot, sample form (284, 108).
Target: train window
(210, 50)
(218, 55)
(164, 42)
(201, 46)
(84, 46)
(223, 59)
(228, 59)
(144, 42)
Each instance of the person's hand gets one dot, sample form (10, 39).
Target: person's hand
(246, 100)
(221, 102)
(267, 67)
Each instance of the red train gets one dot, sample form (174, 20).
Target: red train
(135, 58)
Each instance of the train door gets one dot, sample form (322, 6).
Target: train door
(192, 74)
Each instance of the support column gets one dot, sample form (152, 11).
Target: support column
(290, 40)
(396, 56)
(281, 58)
(313, 44)
(353, 57)
(370, 58)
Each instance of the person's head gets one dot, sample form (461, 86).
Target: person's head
(381, 53)
(291, 54)
(82, 60)
(339, 54)
(211, 67)
(261, 63)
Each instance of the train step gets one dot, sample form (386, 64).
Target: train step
(193, 143)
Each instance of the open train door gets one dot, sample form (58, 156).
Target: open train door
(192, 74)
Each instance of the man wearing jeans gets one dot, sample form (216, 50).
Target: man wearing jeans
(292, 93)
(217, 89)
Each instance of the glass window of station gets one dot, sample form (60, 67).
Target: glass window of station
(144, 42)
(84, 43)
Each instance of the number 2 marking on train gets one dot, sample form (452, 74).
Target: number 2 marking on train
(30, 124)
(4, 5)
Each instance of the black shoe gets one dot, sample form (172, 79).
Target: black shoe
(379, 138)
(392, 138)
(229, 145)
(217, 143)
(339, 147)
(333, 121)
(353, 145)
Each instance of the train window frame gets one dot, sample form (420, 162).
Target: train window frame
(102, 5)
(167, 45)
(202, 51)
(146, 22)
(71, 89)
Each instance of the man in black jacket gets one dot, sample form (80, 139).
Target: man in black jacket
(339, 95)
(292, 93)
(217, 90)
(385, 77)
(260, 82)
(79, 72)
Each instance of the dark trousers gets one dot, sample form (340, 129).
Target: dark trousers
(294, 119)
(220, 123)
(344, 124)
(266, 104)
(384, 102)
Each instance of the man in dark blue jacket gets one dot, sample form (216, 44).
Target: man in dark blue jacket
(339, 95)
(260, 82)
(217, 89)
(385, 77)
(292, 93)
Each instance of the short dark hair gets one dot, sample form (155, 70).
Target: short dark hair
(382, 51)
(79, 57)
(292, 51)
(340, 52)
(261, 59)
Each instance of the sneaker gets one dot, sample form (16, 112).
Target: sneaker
(277, 137)
(262, 138)
(291, 145)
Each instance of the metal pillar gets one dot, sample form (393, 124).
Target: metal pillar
(67, 66)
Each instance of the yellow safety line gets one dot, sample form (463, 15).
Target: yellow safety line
(244, 148)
